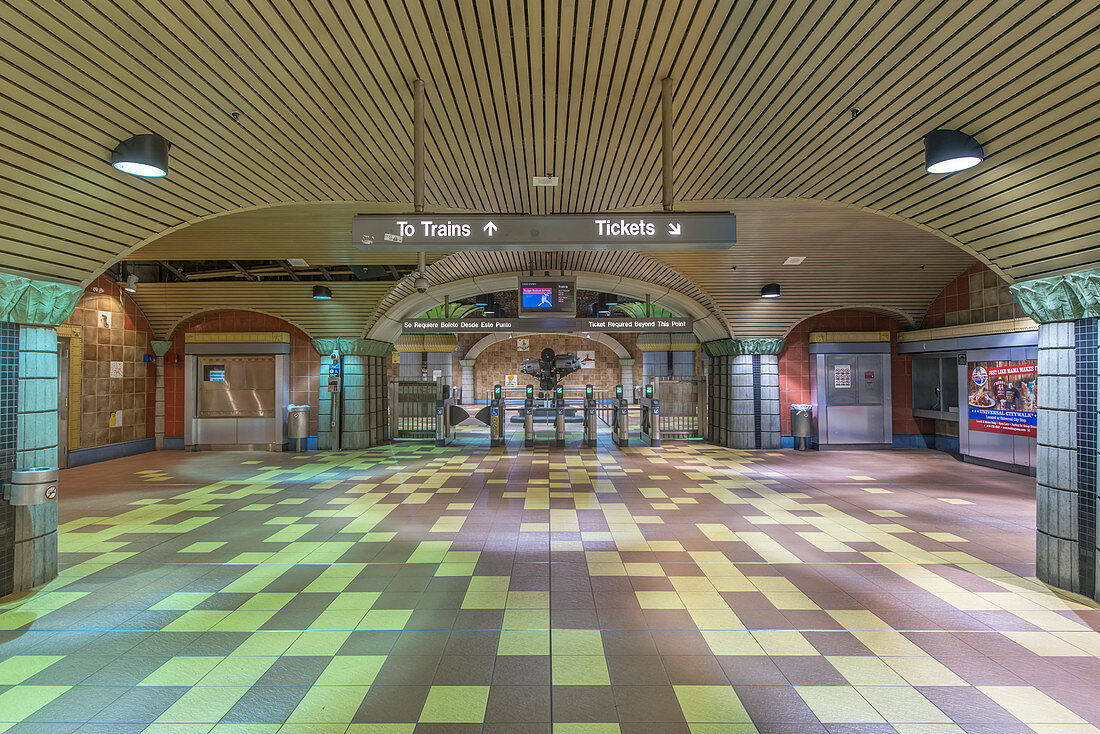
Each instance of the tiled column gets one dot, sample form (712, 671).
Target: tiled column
(1056, 470)
(35, 549)
(160, 348)
(626, 378)
(9, 391)
(354, 434)
(751, 416)
(1067, 307)
(467, 381)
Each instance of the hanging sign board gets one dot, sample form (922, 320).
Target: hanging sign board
(544, 325)
(457, 232)
(1001, 396)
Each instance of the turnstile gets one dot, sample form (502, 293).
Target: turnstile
(650, 431)
(620, 418)
(529, 417)
(444, 430)
(559, 416)
(496, 418)
(589, 417)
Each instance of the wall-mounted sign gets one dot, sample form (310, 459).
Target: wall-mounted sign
(116, 370)
(548, 297)
(103, 319)
(511, 380)
(544, 325)
(456, 232)
(1001, 396)
(587, 358)
(842, 376)
(523, 345)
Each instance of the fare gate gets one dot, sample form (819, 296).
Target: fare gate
(413, 408)
(683, 406)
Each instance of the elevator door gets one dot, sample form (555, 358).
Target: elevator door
(855, 399)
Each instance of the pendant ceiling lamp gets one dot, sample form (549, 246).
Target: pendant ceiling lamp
(947, 151)
(142, 155)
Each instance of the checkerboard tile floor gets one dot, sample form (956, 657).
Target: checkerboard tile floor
(407, 588)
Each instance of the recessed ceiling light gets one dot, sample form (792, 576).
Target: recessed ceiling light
(544, 181)
(794, 260)
(297, 262)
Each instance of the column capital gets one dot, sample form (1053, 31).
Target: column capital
(353, 345)
(161, 347)
(36, 302)
(1060, 297)
(467, 362)
(626, 361)
(738, 347)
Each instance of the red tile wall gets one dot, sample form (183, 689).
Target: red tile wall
(794, 367)
(305, 363)
(955, 297)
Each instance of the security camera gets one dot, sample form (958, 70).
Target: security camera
(421, 284)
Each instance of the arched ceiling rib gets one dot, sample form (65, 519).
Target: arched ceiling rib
(762, 98)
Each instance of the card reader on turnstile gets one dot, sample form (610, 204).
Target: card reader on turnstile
(589, 417)
(496, 418)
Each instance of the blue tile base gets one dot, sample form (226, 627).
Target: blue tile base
(95, 454)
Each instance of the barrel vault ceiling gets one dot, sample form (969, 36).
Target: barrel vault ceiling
(805, 118)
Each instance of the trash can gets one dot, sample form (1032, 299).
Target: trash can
(36, 486)
(297, 423)
(802, 425)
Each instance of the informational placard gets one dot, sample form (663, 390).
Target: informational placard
(491, 232)
(511, 380)
(1002, 396)
(587, 358)
(545, 325)
(523, 345)
(103, 319)
(842, 376)
(116, 370)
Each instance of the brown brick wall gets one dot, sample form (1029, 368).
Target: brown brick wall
(501, 359)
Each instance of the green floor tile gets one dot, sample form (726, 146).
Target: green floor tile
(181, 671)
(579, 670)
(18, 668)
(351, 670)
(19, 702)
(710, 704)
(328, 705)
(455, 705)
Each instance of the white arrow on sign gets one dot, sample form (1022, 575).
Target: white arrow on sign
(674, 228)
(490, 228)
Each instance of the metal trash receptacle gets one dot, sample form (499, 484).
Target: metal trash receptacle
(802, 425)
(297, 423)
(37, 486)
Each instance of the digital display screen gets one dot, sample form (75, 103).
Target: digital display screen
(548, 297)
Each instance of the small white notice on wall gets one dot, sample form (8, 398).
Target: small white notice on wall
(103, 320)
(587, 358)
(842, 376)
(523, 345)
(116, 370)
(511, 380)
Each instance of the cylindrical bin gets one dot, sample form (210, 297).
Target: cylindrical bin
(36, 486)
(297, 421)
(802, 425)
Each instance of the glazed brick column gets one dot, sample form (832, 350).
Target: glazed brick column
(364, 397)
(324, 405)
(9, 391)
(1056, 469)
(1067, 308)
(626, 367)
(467, 381)
(160, 348)
(354, 433)
(34, 556)
(746, 415)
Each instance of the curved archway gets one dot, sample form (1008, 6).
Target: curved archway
(170, 333)
(893, 313)
(597, 336)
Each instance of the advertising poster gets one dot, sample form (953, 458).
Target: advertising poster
(1002, 396)
(587, 358)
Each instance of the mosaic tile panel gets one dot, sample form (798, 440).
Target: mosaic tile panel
(1085, 341)
(9, 394)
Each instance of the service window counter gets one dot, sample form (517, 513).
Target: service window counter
(850, 391)
(987, 384)
(235, 394)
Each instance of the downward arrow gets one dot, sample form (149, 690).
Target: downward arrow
(490, 228)
(674, 228)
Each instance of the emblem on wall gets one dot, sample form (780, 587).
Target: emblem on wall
(523, 345)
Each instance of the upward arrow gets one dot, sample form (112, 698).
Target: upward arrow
(490, 228)
(674, 228)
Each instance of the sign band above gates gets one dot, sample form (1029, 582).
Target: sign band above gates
(457, 232)
(546, 325)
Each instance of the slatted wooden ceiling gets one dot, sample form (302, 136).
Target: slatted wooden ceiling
(763, 92)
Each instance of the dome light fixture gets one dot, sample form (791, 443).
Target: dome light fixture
(142, 155)
(322, 293)
(131, 284)
(947, 151)
(771, 290)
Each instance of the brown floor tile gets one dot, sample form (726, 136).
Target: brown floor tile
(647, 704)
(518, 704)
(582, 704)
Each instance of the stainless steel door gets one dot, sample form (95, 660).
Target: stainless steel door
(856, 401)
(236, 387)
